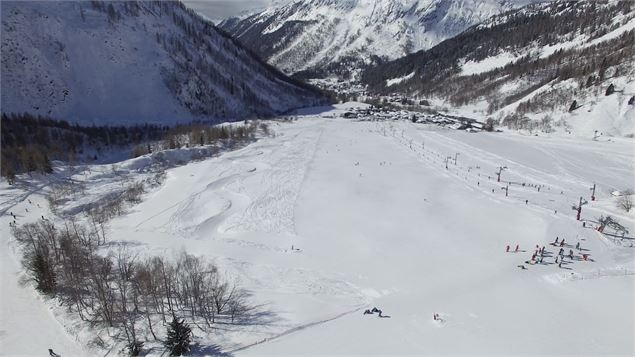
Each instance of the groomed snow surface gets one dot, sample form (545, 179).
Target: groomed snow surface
(375, 219)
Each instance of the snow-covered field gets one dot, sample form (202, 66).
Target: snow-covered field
(376, 219)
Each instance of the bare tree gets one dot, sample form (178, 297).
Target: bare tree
(625, 201)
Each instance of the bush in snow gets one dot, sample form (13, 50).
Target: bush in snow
(135, 348)
(625, 201)
(41, 269)
(489, 124)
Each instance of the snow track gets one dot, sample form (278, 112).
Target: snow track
(330, 217)
(271, 209)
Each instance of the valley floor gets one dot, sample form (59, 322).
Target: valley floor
(331, 217)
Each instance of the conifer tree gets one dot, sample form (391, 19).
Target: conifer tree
(179, 337)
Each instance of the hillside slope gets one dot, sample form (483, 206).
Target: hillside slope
(532, 63)
(130, 62)
(330, 217)
(322, 37)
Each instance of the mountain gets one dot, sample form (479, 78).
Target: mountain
(130, 62)
(531, 63)
(316, 38)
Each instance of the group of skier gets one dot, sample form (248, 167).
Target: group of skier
(539, 253)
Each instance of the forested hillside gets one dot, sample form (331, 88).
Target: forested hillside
(132, 62)
(538, 59)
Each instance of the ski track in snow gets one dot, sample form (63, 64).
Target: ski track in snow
(372, 216)
(272, 210)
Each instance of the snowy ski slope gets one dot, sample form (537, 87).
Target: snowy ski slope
(375, 219)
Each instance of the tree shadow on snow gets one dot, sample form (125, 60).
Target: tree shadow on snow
(257, 317)
(197, 349)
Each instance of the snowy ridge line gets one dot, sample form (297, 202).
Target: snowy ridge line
(296, 329)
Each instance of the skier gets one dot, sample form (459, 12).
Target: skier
(562, 242)
(507, 249)
(556, 259)
(526, 201)
(577, 246)
(571, 254)
(516, 247)
(556, 242)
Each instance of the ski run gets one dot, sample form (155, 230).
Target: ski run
(326, 218)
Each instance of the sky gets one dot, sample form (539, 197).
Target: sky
(217, 10)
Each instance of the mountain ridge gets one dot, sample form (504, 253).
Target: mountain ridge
(317, 38)
(134, 62)
(533, 61)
